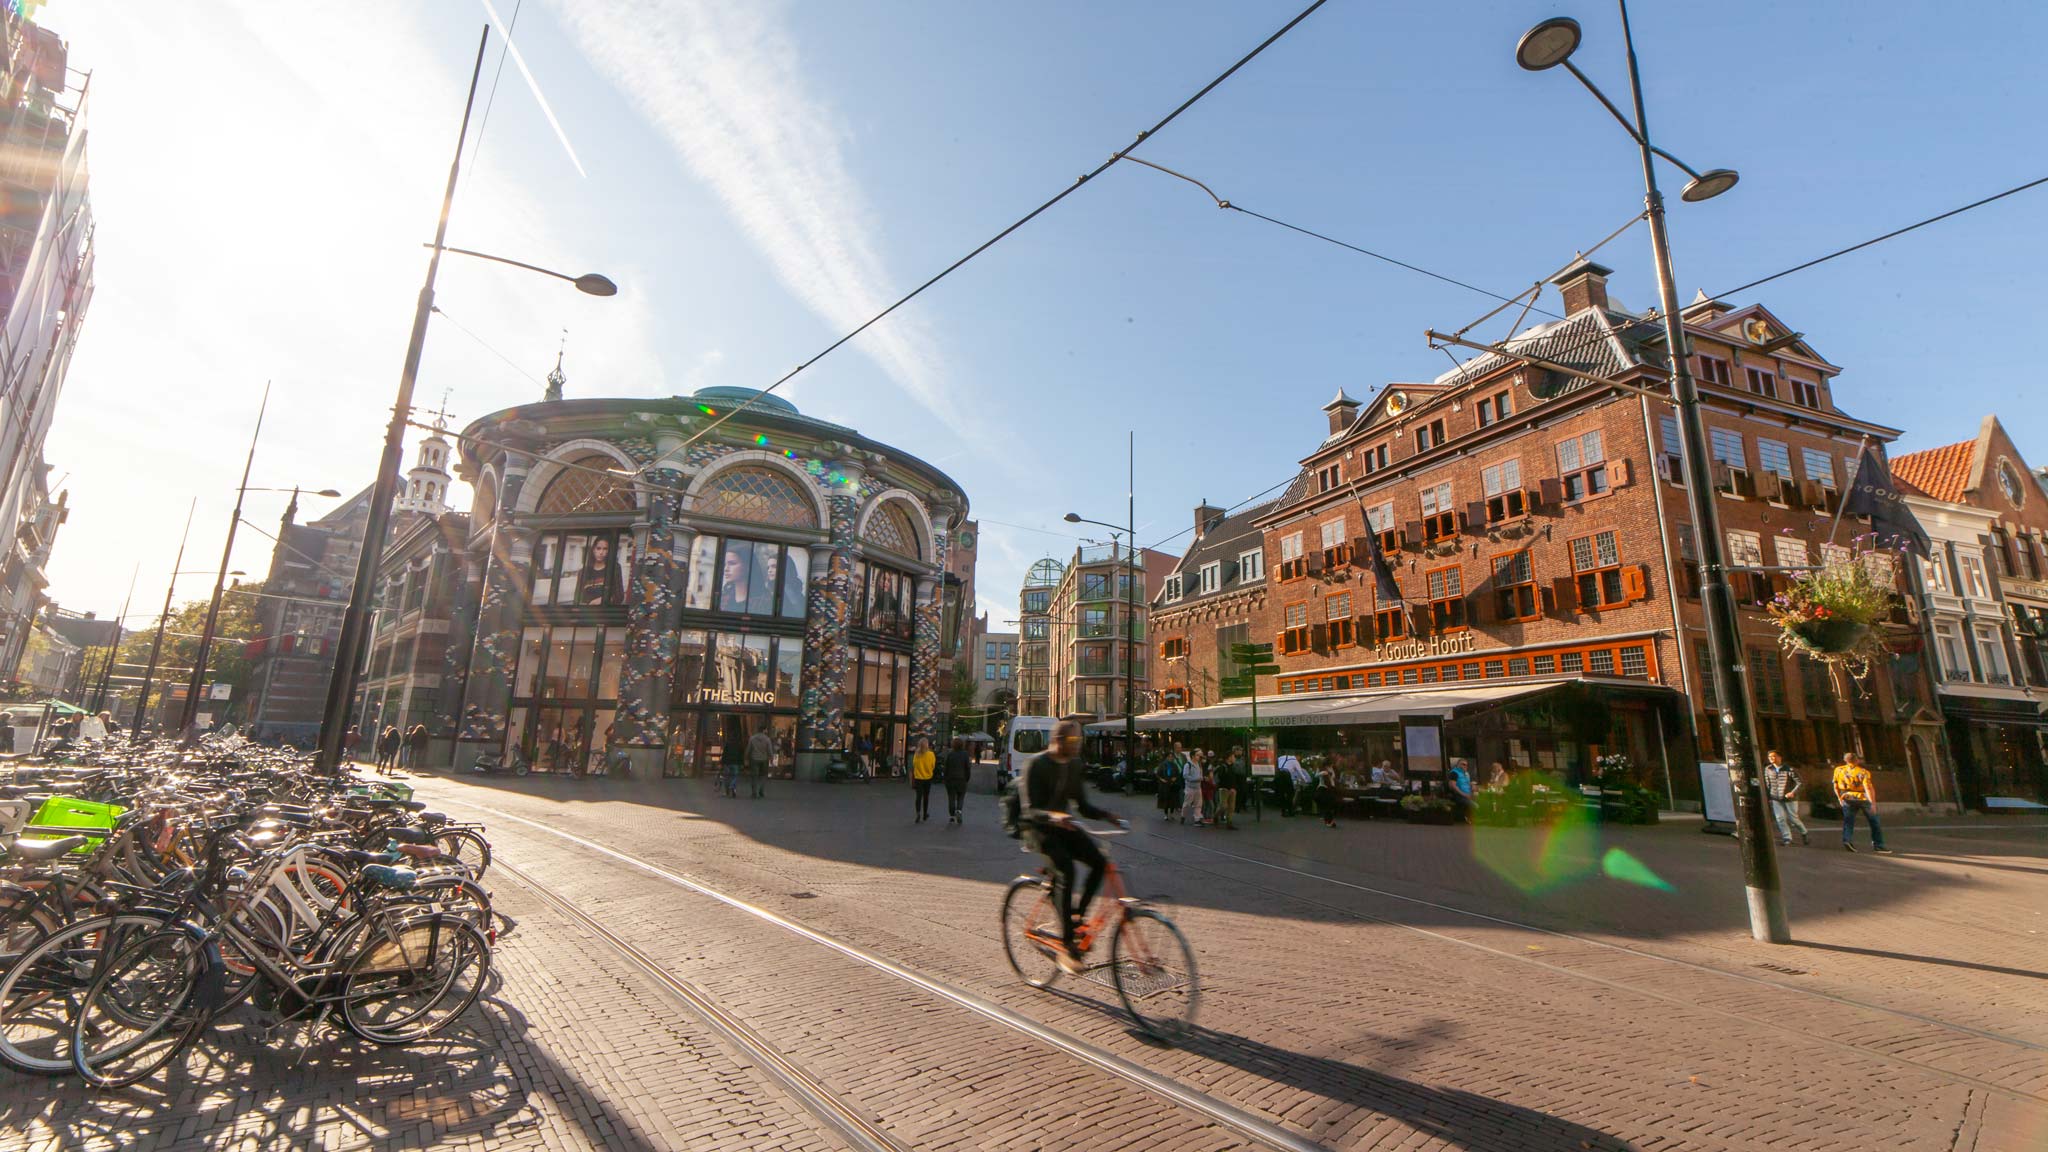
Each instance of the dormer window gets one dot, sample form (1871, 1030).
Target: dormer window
(1328, 478)
(1713, 371)
(1805, 393)
(1212, 576)
(1429, 436)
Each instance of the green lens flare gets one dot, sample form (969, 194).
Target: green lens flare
(1619, 865)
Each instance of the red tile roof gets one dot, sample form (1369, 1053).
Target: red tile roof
(1942, 473)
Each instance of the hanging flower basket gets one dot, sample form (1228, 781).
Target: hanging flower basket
(1829, 636)
(1830, 614)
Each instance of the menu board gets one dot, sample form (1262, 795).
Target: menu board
(1424, 746)
(1264, 755)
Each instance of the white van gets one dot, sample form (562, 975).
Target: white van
(1027, 737)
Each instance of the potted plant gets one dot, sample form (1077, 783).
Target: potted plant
(1830, 614)
(1423, 809)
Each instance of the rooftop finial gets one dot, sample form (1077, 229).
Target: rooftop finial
(555, 378)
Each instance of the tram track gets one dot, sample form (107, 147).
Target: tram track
(842, 1117)
(851, 1124)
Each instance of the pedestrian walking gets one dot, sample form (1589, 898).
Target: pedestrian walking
(1326, 794)
(760, 754)
(387, 750)
(1208, 789)
(730, 756)
(923, 765)
(416, 747)
(1781, 784)
(1856, 793)
(351, 743)
(1191, 789)
(1229, 775)
(959, 768)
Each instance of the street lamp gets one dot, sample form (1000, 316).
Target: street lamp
(1548, 45)
(1129, 527)
(348, 649)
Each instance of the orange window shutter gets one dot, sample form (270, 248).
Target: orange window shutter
(1635, 582)
(1567, 589)
(1618, 474)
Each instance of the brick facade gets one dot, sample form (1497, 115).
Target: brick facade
(1563, 540)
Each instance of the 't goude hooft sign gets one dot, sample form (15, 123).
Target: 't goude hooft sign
(1454, 644)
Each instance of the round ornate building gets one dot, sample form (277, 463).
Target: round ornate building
(682, 573)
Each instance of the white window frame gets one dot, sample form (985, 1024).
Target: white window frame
(1745, 548)
(1990, 640)
(1765, 449)
(1791, 551)
(1934, 569)
(1380, 518)
(1211, 576)
(1949, 645)
(1290, 547)
(1251, 565)
(1819, 465)
(1719, 441)
(1436, 499)
(1173, 588)
(1333, 533)
(1495, 477)
(1976, 579)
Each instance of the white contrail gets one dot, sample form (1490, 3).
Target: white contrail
(723, 84)
(533, 86)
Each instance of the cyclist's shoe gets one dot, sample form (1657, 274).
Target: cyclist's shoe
(1069, 961)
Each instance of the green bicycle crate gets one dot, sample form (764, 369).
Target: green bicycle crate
(387, 790)
(62, 816)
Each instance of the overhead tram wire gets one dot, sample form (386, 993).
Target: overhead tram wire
(2013, 191)
(1222, 203)
(1027, 218)
(492, 100)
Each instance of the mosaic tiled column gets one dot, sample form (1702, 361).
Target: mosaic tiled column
(654, 612)
(495, 651)
(828, 609)
(926, 621)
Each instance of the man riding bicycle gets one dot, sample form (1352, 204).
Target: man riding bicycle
(1052, 788)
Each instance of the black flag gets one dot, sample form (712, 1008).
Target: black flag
(1875, 494)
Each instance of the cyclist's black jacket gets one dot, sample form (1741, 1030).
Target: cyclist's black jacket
(1050, 786)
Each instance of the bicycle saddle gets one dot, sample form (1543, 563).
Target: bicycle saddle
(410, 835)
(39, 850)
(391, 875)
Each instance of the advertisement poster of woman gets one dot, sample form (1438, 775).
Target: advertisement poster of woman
(603, 580)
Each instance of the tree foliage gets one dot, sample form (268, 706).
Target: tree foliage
(227, 662)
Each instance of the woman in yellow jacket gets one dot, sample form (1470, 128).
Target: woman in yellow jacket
(922, 765)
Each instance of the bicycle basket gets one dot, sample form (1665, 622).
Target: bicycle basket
(404, 947)
(62, 816)
(382, 790)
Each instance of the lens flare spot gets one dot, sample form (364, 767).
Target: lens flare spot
(1561, 849)
(707, 410)
(1619, 865)
(761, 441)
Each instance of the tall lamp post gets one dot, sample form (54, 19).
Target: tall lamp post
(355, 621)
(1546, 46)
(1129, 528)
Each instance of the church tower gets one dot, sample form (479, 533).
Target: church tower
(426, 486)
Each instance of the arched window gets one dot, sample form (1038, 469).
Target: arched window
(890, 526)
(586, 486)
(761, 495)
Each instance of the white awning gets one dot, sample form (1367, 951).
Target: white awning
(1345, 708)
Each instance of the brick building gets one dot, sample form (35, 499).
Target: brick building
(1984, 585)
(1088, 647)
(1543, 548)
(1216, 597)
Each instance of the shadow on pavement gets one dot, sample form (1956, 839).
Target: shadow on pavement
(1565, 879)
(242, 1087)
(1911, 958)
(1458, 1119)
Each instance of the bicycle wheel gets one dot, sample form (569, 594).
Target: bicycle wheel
(466, 848)
(142, 1010)
(41, 992)
(24, 921)
(413, 978)
(1155, 975)
(1031, 925)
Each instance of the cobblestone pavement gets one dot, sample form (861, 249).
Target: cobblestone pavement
(1379, 986)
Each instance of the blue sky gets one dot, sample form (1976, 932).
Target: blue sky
(761, 176)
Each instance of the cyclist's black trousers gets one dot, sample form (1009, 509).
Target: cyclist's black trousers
(1063, 848)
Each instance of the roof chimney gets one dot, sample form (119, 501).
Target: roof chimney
(1343, 409)
(1584, 285)
(1206, 516)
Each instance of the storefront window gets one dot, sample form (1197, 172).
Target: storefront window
(582, 568)
(890, 595)
(703, 569)
(747, 577)
(789, 666)
(564, 692)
